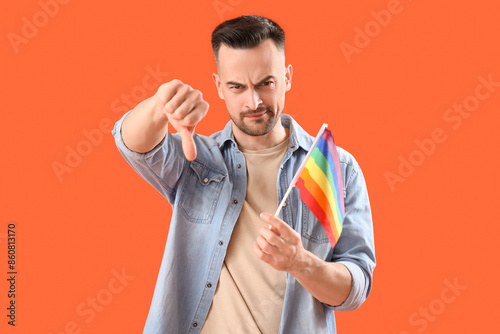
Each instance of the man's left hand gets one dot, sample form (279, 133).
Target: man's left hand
(280, 246)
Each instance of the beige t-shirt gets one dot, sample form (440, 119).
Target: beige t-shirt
(249, 296)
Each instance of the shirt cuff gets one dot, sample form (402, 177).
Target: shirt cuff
(357, 295)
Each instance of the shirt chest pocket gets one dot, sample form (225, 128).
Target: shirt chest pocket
(201, 192)
(312, 229)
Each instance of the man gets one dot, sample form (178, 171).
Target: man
(224, 270)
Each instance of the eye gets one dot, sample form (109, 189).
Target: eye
(235, 87)
(267, 83)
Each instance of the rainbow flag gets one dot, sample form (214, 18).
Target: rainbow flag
(321, 187)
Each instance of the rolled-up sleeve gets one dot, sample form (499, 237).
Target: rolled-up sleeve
(355, 248)
(161, 167)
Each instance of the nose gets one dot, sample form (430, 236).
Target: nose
(253, 99)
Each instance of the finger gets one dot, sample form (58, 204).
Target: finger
(265, 246)
(194, 115)
(277, 224)
(272, 238)
(193, 100)
(180, 96)
(182, 111)
(273, 229)
(188, 145)
(184, 105)
(167, 91)
(261, 255)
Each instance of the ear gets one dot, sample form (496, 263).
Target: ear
(216, 79)
(288, 77)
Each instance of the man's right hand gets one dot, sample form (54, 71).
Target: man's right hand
(175, 103)
(184, 108)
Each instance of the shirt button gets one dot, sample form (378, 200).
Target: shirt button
(282, 166)
(195, 324)
(209, 285)
(284, 204)
(238, 165)
(205, 180)
(292, 146)
(235, 201)
(221, 243)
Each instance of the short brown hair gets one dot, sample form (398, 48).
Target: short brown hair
(246, 32)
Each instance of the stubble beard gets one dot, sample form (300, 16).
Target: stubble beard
(261, 126)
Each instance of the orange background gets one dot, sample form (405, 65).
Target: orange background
(439, 224)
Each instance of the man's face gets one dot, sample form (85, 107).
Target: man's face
(253, 83)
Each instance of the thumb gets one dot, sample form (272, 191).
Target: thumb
(188, 145)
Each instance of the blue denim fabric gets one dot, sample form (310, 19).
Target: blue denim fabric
(207, 195)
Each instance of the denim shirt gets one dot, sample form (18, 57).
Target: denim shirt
(207, 195)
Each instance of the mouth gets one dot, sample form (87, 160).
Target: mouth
(256, 115)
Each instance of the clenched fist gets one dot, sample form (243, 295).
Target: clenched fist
(184, 108)
(175, 103)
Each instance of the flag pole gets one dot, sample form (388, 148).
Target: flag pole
(296, 177)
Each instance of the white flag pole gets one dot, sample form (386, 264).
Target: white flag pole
(296, 177)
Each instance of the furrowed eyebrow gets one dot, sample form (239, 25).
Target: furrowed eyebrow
(235, 83)
(266, 78)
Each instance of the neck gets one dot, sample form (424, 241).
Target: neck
(276, 136)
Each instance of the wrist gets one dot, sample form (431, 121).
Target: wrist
(305, 265)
